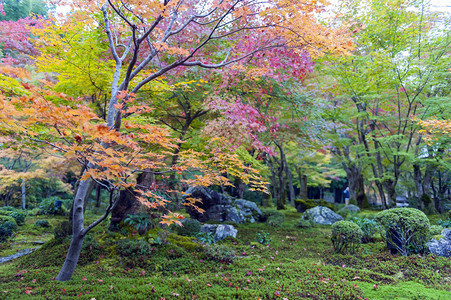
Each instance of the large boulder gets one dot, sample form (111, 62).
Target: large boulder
(442, 246)
(220, 231)
(221, 208)
(322, 215)
(352, 208)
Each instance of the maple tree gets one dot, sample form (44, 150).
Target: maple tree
(147, 40)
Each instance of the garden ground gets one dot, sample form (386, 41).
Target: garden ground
(297, 263)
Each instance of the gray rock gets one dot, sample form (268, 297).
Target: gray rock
(446, 233)
(322, 215)
(352, 208)
(224, 231)
(248, 208)
(208, 228)
(220, 208)
(220, 231)
(232, 214)
(441, 247)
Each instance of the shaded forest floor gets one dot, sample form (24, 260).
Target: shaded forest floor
(297, 264)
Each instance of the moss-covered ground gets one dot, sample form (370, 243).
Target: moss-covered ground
(297, 264)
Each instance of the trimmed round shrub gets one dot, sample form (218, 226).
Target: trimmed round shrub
(127, 247)
(407, 230)
(344, 213)
(190, 228)
(42, 223)
(7, 226)
(346, 236)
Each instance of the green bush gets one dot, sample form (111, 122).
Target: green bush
(127, 247)
(190, 228)
(42, 223)
(141, 222)
(19, 216)
(220, 253)
(48, 206)
(303, 205)
(346, 236)
(301, 223)
(407, 229)
(344, 213)
(272, 217)
(276, 220)
(7, 226)
(8, 208)
(63, 230)
(368, 226)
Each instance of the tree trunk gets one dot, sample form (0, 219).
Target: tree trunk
(73, 254)
(280, 202)
(356, 183)
(127, 203)
(292, 194)
(283, 192)
(303, 185)
(23, 193)
(239, 188)
(275, 194)
(98, 194)
(419, 187)
(87, 194)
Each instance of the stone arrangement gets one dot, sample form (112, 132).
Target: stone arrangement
(221, 208)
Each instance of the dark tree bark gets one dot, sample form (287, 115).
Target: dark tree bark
(127, 203)
(280, 202)
(353, 174)
(303, 185)
(289, 176)
(98, 194)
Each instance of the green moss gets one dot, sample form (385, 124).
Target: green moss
(403, 291)
(184, 242)
(299, 263)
